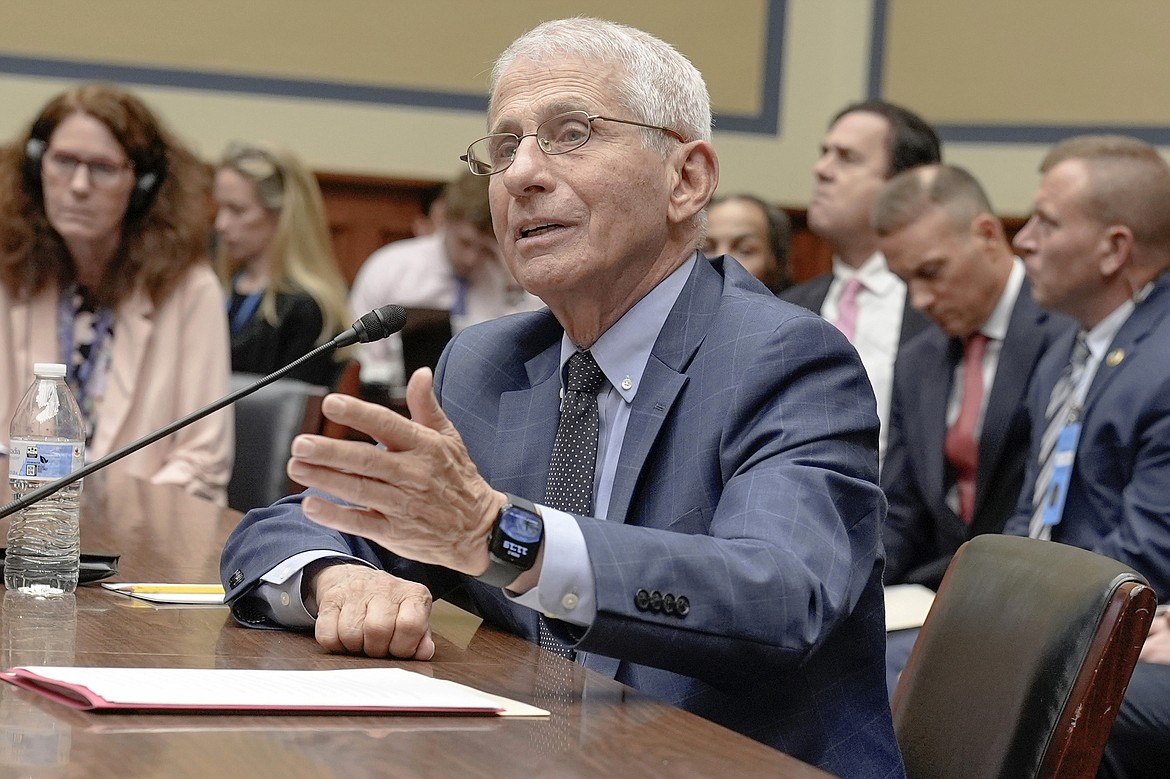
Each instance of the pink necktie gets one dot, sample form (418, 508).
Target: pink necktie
(847, 308)
(962, 443)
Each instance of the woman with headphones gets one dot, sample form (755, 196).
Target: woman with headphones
(275, 257)
(103, 267)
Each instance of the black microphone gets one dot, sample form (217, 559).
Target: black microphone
(374, 326)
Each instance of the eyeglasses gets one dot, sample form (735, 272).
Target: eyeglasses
(103, 174)
(559, 134)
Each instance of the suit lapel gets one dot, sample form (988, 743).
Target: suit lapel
(684, 330)
(926, 431)
(1130, 338)
(527, 427)
(1021, 348)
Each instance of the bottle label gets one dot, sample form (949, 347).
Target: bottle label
(44, 460)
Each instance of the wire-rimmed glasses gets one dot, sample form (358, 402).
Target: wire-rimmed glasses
(559, 134)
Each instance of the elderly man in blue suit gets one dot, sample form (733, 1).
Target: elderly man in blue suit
(1098, 249)
(669, 471)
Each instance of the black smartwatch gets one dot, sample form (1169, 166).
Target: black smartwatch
(513, 543)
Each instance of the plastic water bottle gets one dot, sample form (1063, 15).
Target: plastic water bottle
(47, 442)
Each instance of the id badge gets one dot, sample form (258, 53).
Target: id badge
(1062, 464)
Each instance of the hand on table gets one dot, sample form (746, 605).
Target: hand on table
(420, 497)
(367, 611)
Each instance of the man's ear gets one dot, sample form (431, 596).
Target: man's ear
(1116, 249)
(988, 229)
(696, 174)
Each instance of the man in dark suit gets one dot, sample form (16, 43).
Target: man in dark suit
(709, 521)
(1098, 249)
(867, 143)
(959, 428)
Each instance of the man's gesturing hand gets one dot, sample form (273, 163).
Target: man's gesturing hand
(420, 497)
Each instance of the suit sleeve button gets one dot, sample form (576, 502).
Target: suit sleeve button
(682, 606)
(642, 600)
(668, 603)
(656, 601)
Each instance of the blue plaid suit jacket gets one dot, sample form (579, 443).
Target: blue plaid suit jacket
(746, 483)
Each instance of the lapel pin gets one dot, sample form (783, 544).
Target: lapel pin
(1114, 358)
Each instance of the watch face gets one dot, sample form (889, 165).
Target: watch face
(521, 526)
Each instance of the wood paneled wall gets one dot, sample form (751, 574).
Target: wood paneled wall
(368, 212)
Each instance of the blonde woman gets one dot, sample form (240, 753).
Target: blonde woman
(285, 293)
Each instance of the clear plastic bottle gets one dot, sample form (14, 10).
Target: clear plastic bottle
(47, 442)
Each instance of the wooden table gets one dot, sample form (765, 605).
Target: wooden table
(598, 727)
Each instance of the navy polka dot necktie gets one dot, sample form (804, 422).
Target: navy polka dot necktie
(574, 456)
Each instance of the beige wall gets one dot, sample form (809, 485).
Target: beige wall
(998, 62)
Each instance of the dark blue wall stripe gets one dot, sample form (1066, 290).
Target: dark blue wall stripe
(226, 82)
(996, 133)
(766, 122)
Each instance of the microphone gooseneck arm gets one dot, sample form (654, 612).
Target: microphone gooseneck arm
(374, 326)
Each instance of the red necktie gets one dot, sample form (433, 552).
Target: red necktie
(962, 442)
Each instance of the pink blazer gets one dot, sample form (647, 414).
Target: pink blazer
(166, 361)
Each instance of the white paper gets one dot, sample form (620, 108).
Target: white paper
(907, 606)
(358, 688)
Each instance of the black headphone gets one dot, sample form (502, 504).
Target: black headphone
(146, 185)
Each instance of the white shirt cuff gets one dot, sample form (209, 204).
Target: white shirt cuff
(280, 588)
(565, 589)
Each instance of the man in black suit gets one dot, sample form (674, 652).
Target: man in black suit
(959, 427)
(867, 143)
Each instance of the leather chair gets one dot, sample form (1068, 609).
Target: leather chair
(266, 423)
(1022, 663)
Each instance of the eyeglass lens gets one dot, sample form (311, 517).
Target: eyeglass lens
(557, 135)
(102, 173)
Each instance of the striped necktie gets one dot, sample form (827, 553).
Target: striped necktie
(1061, 409)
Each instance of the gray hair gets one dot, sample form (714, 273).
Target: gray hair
(658, 85)
(908, 195)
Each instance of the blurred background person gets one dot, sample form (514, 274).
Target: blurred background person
(457, 273)
(103, 267)
(434, 211)
(756, 233)
(274, 256)
(867, 144)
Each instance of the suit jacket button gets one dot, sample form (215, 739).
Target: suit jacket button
(682, 606)
(642, 600)
(668, 603)
(656, 601)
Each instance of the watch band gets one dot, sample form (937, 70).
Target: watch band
(502, 572)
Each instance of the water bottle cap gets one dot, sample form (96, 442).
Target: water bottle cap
(49, 370)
